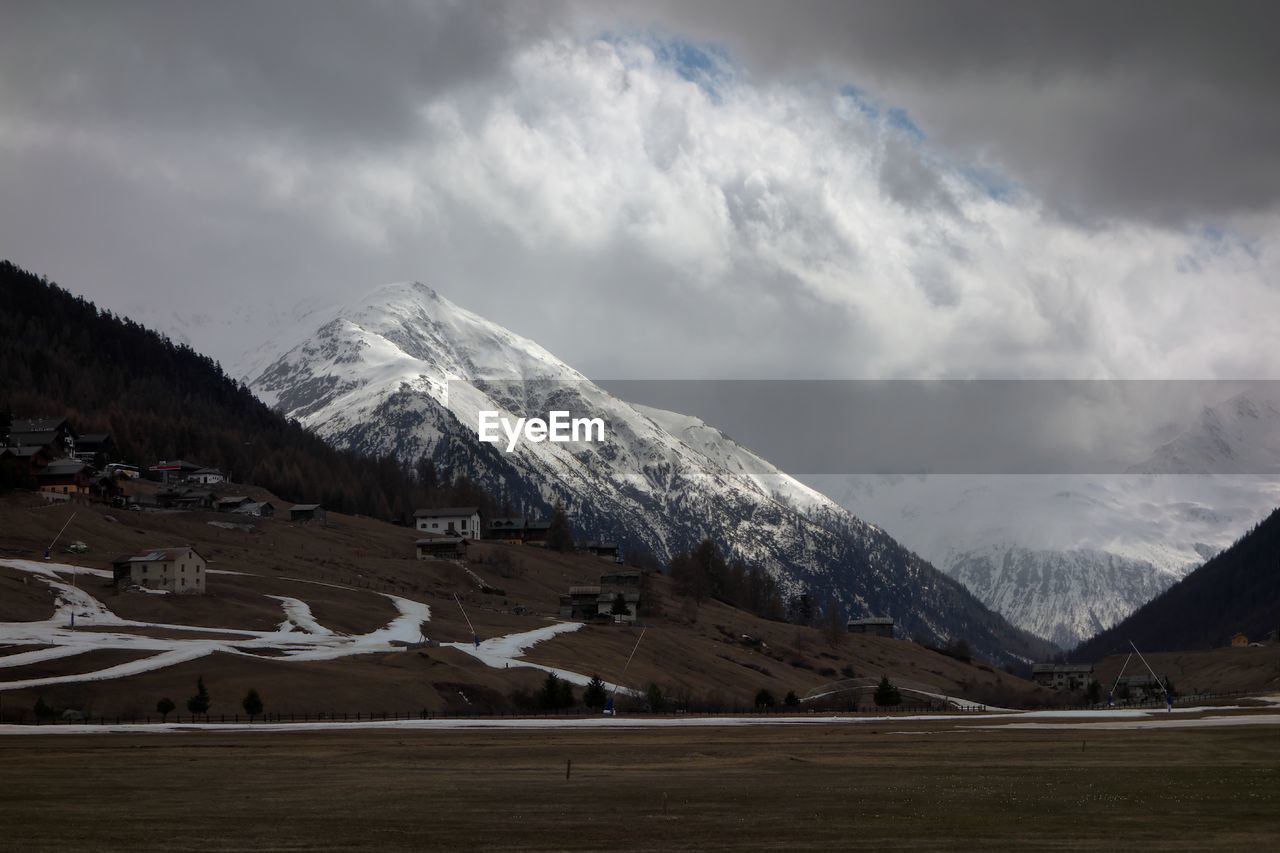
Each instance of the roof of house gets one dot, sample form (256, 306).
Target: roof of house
(304, 507)
(208, 471)
(253, 507)
(62, 468)
(446, 511)
(94, 438)
(24, 450)
(156, 555)
(36, 424)
(235, 499)
(175, 465)
(1061, 667)
(584, 590)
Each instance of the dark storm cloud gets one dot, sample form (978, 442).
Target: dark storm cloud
(331, 72)
(1150, 109)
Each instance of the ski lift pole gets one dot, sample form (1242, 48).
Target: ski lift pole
(475, 638)
(1112, 692)
(49, 550)
(1168, 700)
(625, 666)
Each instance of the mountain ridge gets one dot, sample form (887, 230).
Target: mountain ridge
(405, 371)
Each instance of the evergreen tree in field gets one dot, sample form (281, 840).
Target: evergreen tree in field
(164, 708)
(552, 694)
(619, 607)
(886, 694)
(1094, 692)
(42, 710)
(252, 703)
(560, 533)
(595, 695)
(6, 424)
(764, 699)
(566, 694)
(657, 702)
(199, 703)
(791, 700)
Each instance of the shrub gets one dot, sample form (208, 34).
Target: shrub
(165, 707)
(764, 699)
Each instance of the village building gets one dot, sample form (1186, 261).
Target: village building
(207, 477)
(21, 464)
(89, 445)
(1140, 688)
(441, 547)
(179, 570)
(509, 529)
(875, 626)
(603, 550)
(581, 602)
(257, 509)
(175, 471)
(597, 601)
(461, 521)
(1068, 677)
(231, 503)
(64, 477)
(192, 499)
(56, 434)
(307, 513)
(1239, 641)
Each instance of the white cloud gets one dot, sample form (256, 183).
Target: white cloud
(643, 224)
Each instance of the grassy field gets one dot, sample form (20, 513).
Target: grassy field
(896, 785)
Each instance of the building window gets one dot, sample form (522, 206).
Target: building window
(464, 524)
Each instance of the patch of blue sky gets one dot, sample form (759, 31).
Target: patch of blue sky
(898, 119)
(994, 185)
(705, 65)
(861, 101)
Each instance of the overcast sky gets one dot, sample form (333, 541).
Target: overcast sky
(685, 189)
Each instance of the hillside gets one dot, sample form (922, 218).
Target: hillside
(356, 578)
(1236, 591)
(62, 356)
(403, 371)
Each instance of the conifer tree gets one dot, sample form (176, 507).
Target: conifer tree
(199, 703)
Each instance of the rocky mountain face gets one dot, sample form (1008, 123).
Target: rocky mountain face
(406, 372)
(1064, 596)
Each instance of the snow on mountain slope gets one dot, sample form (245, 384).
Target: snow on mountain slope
(404, 371)
(1063, 596)
(1238, 436)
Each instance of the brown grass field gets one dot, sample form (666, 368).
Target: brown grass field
(917, 786)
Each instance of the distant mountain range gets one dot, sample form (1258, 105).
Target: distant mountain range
(404, 371)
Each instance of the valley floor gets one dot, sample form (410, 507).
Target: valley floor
(891, 784)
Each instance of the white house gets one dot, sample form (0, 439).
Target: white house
(461, 521)
(180, 569)
(206, 477)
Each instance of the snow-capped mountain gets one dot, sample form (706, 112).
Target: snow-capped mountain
(1238, 436)
(1059, 555)
(404, 371)
(1064, 596)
